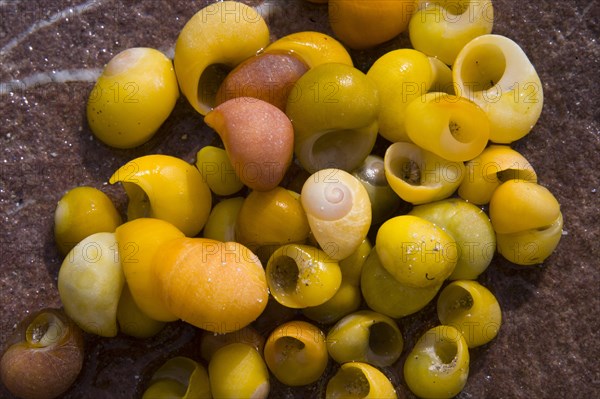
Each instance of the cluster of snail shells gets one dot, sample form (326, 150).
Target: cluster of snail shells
(261, 134)
(311, 103)
(335, 111)
(308, 102)
(315, 105)
(168, 276)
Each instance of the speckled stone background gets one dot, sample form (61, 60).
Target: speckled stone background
(548, 345)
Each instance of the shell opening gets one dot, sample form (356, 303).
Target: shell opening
(483, 67)
(285, 274)
(45, 330)
(407, 170)
(287, 346)
(463, 130)
(455, 7)
(382, 339)
(209, 83)
(327, 199)
(340, 149)
(446, 350)
(139, 205)
(463, 14)
(514, 174)
(353, 383)
(457, 131)
(456, 301)
(179, 369)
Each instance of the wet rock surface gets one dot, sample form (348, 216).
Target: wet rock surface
(49, 55)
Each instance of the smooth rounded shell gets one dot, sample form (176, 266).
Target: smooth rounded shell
(179, 377)
(212, 342)
(132, 320)
(362, 24)
(415, 251)
(90, 281)
(221, 222)
(43, 356)
(352, 265)
(314, 48)
(221, 34)
(519, 205)
(384, 201)
(472, 309)
(301, 275)
(362, 379)
(333, 108)
(139, 241)
(495, 165)
(132, 98)
(218, 172)
(267, 76)
(346, 300)
(495, 73)
(258, 138)
(236, 371)
(451, 127)
(154, 183)
(531, 247)
(296, 354)
(419, 176)
(81, 212)
(338, 210)
(400, 76)
(386, 295)
(259, 221)
(442, 29)
(365, 336)
(470, 227)
(438, 364)
(216, 286)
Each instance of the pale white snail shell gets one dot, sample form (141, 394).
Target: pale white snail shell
(338, 210)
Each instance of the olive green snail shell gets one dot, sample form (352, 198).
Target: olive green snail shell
(179, 377)
(361, 378)
(438, 364)
(365, 336)
(334, 109)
